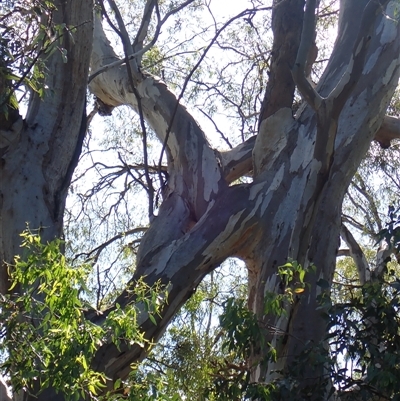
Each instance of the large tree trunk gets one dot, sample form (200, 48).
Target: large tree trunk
(40, 154)
(302, 166)
(304, 217)
(38, 161)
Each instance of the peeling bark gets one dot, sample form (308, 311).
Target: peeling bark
(292, 209)
(359, 120)
(302, 166)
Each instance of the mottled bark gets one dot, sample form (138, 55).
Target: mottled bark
(303, 195)
(38, 162)
(292, 209)
(39, 154)
(302, 166)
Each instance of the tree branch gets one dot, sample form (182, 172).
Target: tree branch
(389, 130)
(363, 190)
(180, 265)
(237, 162)
(144, 25)
(309, 94)
(340, 93)
(138, 54)
(357, 254)
(94, 254)
(287, 19)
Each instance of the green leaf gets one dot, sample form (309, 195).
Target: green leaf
(153, 320)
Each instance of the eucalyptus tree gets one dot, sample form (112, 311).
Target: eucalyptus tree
(298, 165)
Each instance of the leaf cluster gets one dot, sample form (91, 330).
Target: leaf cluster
(365, 333)
(29, 35)
(360, 354)
(47, 340)
(391, 233)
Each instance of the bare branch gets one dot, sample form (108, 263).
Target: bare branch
(119, 62)
(357, 254)
(223, 136)
(299, 69)
(369, 228)
(352, 222)
(138, 54)
(127, 51)
(94, 254)
(363, 190)
(144, 26)
(196, 66)
(159, 107)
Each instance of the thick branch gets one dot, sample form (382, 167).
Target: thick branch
(144, 25)
(193, 167)
(355, 67)
(286, 26)
(227, 227)
(237, 162)
(188, 239)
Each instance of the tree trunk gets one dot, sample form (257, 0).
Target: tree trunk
(303, 222)
(37, 164)
(302, 166)
(39, 158)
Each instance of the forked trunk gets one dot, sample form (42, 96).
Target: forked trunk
(302, 167)
(303, 217)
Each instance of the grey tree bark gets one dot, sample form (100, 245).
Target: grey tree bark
(40, 153)
(302, 166)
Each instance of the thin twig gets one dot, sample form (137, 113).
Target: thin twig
(189, 76)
